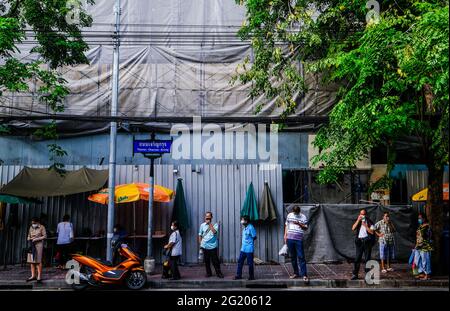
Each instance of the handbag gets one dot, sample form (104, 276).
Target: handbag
(284, 251)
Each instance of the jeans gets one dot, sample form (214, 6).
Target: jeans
(242, 257)
(298, 256)
(363, 247)
(211, 255)
(424, 265)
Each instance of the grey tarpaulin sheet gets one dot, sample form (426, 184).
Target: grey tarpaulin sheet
(176, 58)
(330, 236)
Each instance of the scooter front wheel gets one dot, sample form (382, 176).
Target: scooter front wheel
(136, 280)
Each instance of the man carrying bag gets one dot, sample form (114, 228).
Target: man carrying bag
(207, 237)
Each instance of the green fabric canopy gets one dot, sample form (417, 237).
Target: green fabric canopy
(179, 207)
(11, 199)
(43, 182)
(267, 210)
(250, 207)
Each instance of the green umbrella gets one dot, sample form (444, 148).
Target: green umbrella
(250, 207)
(12, 199)
(179, 207)
(267, 206)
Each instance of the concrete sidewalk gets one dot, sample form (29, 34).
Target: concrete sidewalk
(267, 276)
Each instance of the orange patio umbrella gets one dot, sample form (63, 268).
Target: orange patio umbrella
(133, 192)
(422, 195)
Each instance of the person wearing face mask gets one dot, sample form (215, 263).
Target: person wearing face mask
(364, 239)
(385, 229)
(294, 229)
(423, 249)
(36, 236)
(174, 248)
(207, 237)
(247, 249)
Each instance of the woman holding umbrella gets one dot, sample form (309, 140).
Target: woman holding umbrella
(36, 236)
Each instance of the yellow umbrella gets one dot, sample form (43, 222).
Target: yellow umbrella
(422, 195)
(133, 192)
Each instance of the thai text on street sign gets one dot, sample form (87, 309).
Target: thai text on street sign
(152, 146)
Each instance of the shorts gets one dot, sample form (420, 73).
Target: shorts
(387, 251)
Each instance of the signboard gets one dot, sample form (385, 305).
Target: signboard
(152, 146)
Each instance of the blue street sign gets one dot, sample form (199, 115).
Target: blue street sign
(152, 146)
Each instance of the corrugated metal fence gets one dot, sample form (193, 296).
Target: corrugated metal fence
(220, 189)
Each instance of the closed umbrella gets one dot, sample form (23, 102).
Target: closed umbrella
(179, 207)
(267, 210)
(250, 207)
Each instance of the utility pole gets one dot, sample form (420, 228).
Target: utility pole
(149, 262)
(113, 134)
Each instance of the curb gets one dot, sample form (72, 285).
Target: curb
(243, 284)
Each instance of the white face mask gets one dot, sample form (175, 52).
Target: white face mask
(243, 222)
(172, 227)
(35, 226)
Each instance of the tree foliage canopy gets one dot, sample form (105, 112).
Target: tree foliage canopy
(391, 65)
(56, 41)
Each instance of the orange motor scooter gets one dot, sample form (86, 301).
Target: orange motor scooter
(94, 272)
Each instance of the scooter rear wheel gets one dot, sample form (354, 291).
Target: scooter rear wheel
(136, 280)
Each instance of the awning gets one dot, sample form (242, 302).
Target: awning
(43, 182)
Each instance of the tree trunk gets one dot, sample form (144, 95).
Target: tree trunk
(435, 212)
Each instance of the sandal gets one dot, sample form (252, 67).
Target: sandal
(384, 271)
(390, 269)
(30, 279)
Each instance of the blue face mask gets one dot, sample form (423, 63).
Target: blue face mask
(420, 221)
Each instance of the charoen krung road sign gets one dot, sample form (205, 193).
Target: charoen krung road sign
(149, 146)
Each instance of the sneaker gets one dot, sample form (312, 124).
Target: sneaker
(384, 271)
(220, 275)
(294, 276)
(354, 277)
(251, 279)
(237, 278)
(390, 269)
(208, 275)
(306, 279)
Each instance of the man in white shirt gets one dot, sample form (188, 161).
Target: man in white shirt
(65, 239)
(294, 230)
(364, 240)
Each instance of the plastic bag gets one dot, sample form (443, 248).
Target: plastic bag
(284, 251)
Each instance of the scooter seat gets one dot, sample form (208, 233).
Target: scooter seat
(106, 262)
